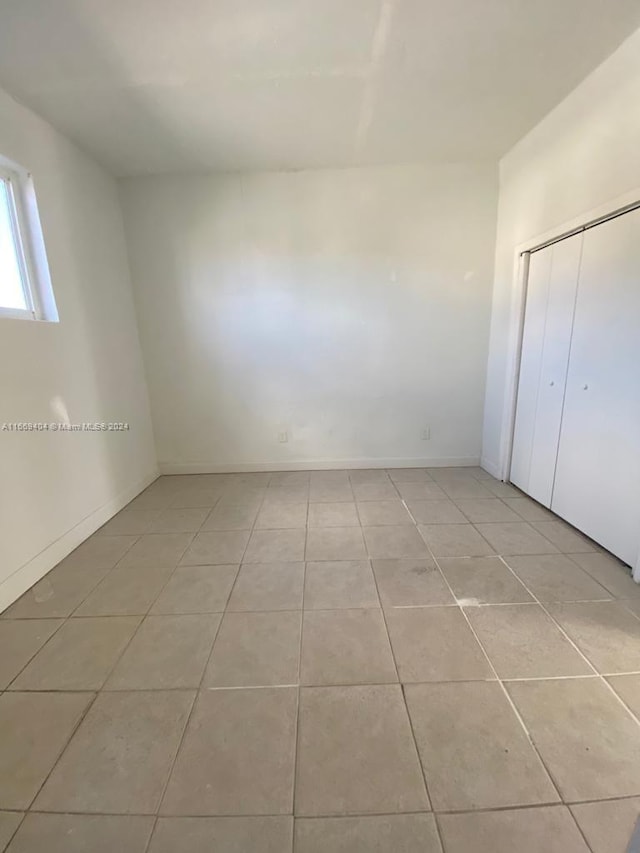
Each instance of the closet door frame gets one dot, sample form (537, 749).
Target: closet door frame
(522, 254)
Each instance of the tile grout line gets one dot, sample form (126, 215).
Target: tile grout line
(197, 691)
(404, 702)
(595, 674)
(498, 679)
(64, 619)
(332, 815)
(602, 678)
(296, 757)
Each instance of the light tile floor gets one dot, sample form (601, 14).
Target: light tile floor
(409, 661)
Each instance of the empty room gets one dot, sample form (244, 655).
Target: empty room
(319, 426)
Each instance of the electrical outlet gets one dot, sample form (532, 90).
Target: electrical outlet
(425, 435)
(283, 437)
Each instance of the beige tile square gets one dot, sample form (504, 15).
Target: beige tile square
(20, 639)
(568, 719)
(335, 543)
(151, 499)
(242, 496)
(286, 494)
(382, 491)
(550, 829)
(478, 473)
(129, 522)
(282, 516)
(334, 585)
(179, 520)
(454, 540)
(604, 631)
(474, 751)
(613, 575)
(80, 656)
(435, 644)
(356, 753)
(66, 833)
(166, 653)
(157, 549)
(375, 513)
(394, 542)
(57, 594)
(516, 538)
(255, 649)
(223, 835)
(274, 546)
(231, 517)
(420, 492)
(554, 577)
(34, 729)
(461, 488)
(454, 472)
(608, 826)
(248, 479)
(564, 537)
(486, 510)
(126, 592)
(268, 586)
(502, 490)
(414, 833)
(216, 548)
(528, 509)
(346, 647)
(197, 498)
(329, 478)
(482, 580)
(196, 589)
(290, 478)
(409, 475)
(329, 514)
(119, 759)
(9, 822)
(436, 512)
(237, 756)
(320, 492)
(100, 552)
(628, 689)
(369, 476)
(632, 606)
(523, 642)
(403, 583)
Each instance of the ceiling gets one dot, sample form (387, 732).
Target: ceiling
(152, 86)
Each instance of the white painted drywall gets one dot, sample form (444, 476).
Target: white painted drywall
(584, 155)
(56, 488)
(346, 308)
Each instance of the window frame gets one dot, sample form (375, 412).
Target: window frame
(29, 245)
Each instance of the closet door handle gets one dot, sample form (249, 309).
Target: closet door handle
(552, 383)
(585, 387)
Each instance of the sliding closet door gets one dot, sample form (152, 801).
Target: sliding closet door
(597, 484)
(551, 294)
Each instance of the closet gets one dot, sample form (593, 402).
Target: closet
(576, 446)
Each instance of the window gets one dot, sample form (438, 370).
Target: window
(25, 286)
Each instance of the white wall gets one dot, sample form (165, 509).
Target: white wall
(584, 155)
(55, 489)
(347, 308)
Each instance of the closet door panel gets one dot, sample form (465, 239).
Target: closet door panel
(551, 293)
(530, 362)
(565, 265)
(597, 484)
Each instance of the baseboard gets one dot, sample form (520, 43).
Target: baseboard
(490, 468)
(23, 578)
(316, 465)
